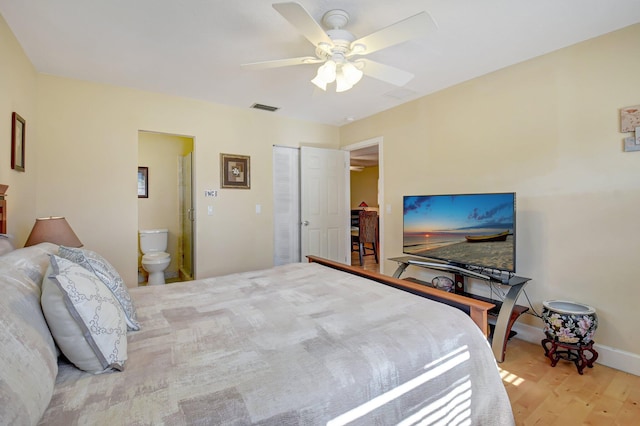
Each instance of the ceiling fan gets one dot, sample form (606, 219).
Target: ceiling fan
(340, 52)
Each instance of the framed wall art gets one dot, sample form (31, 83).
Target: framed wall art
(18, 129)
(235, 171)
(629, 118)
(143, 182)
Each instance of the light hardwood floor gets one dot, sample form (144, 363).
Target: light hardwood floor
(369, 261)
(545, 395)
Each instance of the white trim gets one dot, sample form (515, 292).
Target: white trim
(611, 357)
(363, 144)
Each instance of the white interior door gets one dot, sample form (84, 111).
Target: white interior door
(286, 205)
(324, 204)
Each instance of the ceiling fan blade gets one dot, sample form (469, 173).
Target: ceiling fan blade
(304, 23)
(412, 27)
(384, 72)
(282, 63)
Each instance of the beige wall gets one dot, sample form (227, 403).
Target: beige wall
(160, 153)
(547, 129)
(17, 93)
(364, 187)
(91, 155)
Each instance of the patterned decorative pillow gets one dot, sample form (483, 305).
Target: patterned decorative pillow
(84, 317)
(108, 275)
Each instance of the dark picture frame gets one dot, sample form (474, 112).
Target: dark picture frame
(18, 130)
(143, 182)
(235, 171)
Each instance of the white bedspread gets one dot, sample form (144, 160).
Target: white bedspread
(296, 344)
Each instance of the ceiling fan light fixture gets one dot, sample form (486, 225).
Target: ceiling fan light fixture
(337, 48)
(342, 83)
(326, 74)
(324, 48)
(358, 49)
(352, 74)
(318, 81)
(328, 71)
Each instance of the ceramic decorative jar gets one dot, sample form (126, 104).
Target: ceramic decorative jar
(569, 322)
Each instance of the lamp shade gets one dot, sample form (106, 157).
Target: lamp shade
(342, 85)
(326, 74)
(53, 230)
(328, 71)
(318, 81)
(351, 73)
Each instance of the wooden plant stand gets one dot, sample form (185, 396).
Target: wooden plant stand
(570, 352)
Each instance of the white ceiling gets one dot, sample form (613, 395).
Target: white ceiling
(364, 157)
(194, 48)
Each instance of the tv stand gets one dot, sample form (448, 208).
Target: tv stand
(504, 314)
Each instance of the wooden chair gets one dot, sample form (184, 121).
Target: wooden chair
(367, 234)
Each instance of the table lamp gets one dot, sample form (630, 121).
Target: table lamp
(53, 229)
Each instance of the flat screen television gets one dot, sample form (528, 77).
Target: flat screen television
(474, 231)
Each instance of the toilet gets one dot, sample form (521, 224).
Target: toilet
(153, 243)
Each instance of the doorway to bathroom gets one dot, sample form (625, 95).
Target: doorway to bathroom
(168, 204)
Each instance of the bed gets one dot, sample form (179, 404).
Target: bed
(296, 344)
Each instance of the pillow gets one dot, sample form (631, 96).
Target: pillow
(84, 317)
(28, 359)
(31, 262)
(5, 244)
(108, 275)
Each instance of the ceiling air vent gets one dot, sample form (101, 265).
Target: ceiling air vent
(265, 107)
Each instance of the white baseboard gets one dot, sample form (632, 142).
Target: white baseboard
(611, 357)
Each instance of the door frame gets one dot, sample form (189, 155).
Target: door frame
(194, 231)
(191, 212)
(381, 206)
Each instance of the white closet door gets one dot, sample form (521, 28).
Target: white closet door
(286, 205)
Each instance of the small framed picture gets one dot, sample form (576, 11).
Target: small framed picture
(629, 118)
(18, 130)
(235, 171)
(143, 182)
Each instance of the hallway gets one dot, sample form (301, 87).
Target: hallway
(369, 262)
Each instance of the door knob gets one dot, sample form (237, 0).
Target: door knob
(305, 223)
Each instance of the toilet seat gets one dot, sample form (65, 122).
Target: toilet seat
(155, 258)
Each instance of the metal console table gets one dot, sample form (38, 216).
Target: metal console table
(506, 313)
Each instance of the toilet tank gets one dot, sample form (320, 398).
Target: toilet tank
(153, 240)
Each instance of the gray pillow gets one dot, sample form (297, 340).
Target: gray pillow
(28, 360)
(97, 264)
(84, 317)
(5, 244)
